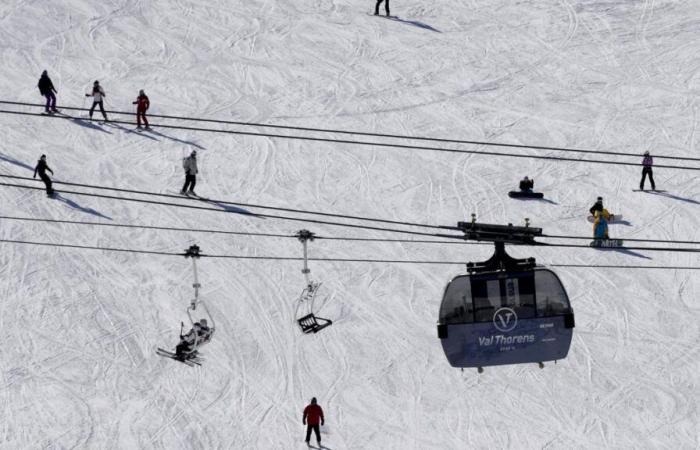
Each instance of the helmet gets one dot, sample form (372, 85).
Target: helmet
(203, 322)
(526, 178)
(194, 153)
(646, 153)
(141, 92)
(197, 325)
(96, 82)
(43, 157)
(44, 73)
(600, 199)
(313, 400)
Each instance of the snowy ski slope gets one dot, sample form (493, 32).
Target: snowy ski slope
(80, 327)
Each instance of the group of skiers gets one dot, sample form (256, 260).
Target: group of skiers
(600, 214)
(47, 89)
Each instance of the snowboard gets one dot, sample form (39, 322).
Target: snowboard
(191, 361)
(606, 243)
(614, 218)
(522, 194)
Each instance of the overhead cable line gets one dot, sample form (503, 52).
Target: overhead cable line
(298, 219)
(365, 143)
(294, 258)
(366, 133)
(294, 236)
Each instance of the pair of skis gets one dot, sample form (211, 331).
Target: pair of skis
(191, 361)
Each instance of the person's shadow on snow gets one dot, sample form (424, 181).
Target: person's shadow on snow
(88, 124)
(414, 23)
(74, 205)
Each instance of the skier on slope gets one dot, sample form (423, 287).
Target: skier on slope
(41, 168)
(98, 95)
(526, 185)
(313, 414)
(190, 166)
(647, 162)
(47, 90)
(199, 334)
(386, 7)
(142, 104)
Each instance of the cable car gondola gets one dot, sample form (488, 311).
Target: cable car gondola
(505, 310)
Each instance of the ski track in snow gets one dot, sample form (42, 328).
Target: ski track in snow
(80, 369)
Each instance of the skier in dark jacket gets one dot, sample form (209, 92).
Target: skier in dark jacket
(190, 166)
(47, 90)
(386, 7)
(647, 162)
(597, 206)
(313, 414)
(41, 168)
(142, 104)
(98, 95)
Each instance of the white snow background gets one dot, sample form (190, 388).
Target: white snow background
(80, 327)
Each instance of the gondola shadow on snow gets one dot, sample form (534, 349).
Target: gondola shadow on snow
(174, 139)
(74, 205)
(15, 162)
(674, 197)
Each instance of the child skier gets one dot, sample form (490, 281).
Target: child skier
(142, 104)
(98, 95)
(41, 168)
(47, 90)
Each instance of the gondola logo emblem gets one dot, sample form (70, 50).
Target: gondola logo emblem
(505, 319)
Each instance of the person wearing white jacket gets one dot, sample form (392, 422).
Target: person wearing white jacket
(98, 95)
(190, 166)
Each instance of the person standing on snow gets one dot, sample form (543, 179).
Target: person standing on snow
(41, 168)
(47, 90)
(313, 414)
(98, 95)
(647, 162)
(142, 104)
(386, 7)
(190, 166)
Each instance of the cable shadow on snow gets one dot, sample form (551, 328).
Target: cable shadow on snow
(15, 162)
(232, 209)
(84, 209)
(174, 139)
(675, 197)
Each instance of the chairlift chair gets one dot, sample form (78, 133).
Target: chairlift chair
(309, 321)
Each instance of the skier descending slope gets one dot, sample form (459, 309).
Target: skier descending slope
(190, 166)
(47, 90)
(98, 95)
(647, 162)
(386, 7)
(41, 168)
(313, 414)
(142, 104)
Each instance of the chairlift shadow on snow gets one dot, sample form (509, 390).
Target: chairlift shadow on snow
(675, 197)
(181, 141)
(84, 209)
(15, 162)
(88, 124)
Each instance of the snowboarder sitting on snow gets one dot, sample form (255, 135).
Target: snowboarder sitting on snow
(98, 95)
(526, 185)
(41, 168)
(199, 334)
(47, 90)
(600, 226)
(142, 104)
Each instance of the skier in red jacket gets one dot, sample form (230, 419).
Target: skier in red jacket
(142, 104)
(313, 414)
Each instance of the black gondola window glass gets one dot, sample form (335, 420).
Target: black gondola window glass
(486, 294)
(520, 295)
(551, 296)
(457, 305)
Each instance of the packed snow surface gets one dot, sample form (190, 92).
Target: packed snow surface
(80, 327)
